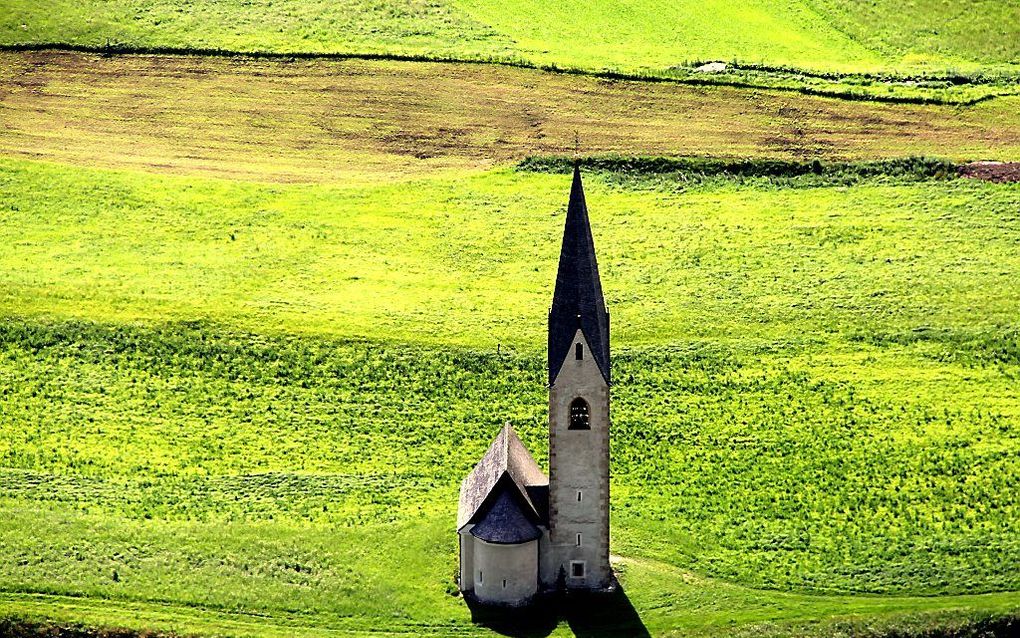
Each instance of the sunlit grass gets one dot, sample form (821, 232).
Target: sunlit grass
(643, 35)
(252, 398)
(471, 261)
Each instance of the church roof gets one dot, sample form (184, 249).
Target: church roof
(502, 519)
(507, 457)
(577, 300)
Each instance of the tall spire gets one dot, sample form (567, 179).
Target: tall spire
(578, 301)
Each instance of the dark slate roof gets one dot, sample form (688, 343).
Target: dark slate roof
(539, 497)
(577, 301)
(508, 457)
(502, 519)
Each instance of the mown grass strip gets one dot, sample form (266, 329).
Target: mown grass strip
(675, 75)
(933, 625)
(347, 121)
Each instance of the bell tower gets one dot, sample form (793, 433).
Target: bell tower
(578, 542)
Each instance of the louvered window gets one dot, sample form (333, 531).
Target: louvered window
(579, 415)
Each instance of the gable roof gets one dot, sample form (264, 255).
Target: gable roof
(577, 300)
(502, 519)
(508, 457)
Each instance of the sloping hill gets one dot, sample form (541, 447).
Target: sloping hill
(259, 316)
(663, 33)
(932, 32)
(649, 35)
(257, 400)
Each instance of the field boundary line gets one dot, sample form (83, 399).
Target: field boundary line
(607, 74)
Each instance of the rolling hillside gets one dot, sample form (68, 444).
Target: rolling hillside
(646, 35)
(240, 398)
(259, 315)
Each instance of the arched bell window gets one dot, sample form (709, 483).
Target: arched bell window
(579, 415)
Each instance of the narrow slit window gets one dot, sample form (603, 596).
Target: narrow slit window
(578, 351)
(504, 583)
(480, 576)
(578, 496)
(578, 540)
(579, 415)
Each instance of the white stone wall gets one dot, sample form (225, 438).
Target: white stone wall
(548, 561)
(504, 574)
(467, 563)
(579, 461)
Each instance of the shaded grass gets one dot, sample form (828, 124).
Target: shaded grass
(923, 32)
(828, 173)
(309, 25)
(272, 475)
(349, 121)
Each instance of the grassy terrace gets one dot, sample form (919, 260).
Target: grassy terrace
(235, 407)
(393, 260)
(639, 35)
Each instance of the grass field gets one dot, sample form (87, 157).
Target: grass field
(646, 35)
(928, 30)
(245, 408)
(391, 260)
(260, 315)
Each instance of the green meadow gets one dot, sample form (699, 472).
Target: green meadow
(259, 315)
(638, 35)
(469, 259)
(239, 408)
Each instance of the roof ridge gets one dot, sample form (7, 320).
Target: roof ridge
(505, 433)
(499, 460)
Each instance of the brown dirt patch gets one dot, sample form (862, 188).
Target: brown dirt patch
(992, 171)
(273, 120)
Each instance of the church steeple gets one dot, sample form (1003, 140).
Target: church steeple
(513, 524)
(577, 300)
(578, 411)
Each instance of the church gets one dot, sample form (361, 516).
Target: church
(522, 533)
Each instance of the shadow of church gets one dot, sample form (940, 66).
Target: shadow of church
(589, 615)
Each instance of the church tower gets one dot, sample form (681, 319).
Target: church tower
(578, 541)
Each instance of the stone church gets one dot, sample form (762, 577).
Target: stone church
(520, 532)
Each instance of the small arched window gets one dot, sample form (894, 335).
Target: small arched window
(579, 415)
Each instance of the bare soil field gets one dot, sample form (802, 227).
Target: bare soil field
(310, 121)
(993, 171)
